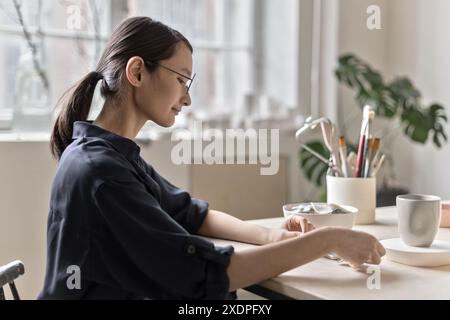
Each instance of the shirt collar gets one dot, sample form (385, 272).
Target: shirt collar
(124, 145)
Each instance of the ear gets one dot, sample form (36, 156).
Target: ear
(134, 70)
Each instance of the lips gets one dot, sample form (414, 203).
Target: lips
(176, 110)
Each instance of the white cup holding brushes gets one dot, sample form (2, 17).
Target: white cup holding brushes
(358, 187)
(351, 179)
(355, 192)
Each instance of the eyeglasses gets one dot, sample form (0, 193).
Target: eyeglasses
(189, 81)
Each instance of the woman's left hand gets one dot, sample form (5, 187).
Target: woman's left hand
(297, 223)
(292, 227)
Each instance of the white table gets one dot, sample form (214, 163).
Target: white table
(327, 279)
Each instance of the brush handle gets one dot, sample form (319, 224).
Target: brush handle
(378, 166)
(359, 159)
(344, 164)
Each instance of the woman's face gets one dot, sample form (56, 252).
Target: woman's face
(164, 92)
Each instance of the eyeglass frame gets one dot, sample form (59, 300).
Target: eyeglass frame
(176, 72)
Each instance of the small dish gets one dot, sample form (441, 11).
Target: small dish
(438, 254)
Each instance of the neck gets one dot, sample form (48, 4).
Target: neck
(120, 118)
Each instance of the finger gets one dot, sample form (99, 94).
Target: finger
(355, 265)
(301, 224)
(298, 223)
(307, 227)
(381, 250)
(374, 259)
(358, 261)
(304, 224)
(294, 224)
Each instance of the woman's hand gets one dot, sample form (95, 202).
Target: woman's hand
(297, 223)
(357, 248)
(292, 227)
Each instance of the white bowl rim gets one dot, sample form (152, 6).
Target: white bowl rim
(352, 210)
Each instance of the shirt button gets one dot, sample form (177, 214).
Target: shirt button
(191, 249)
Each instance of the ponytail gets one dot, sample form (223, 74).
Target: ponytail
(76, 104)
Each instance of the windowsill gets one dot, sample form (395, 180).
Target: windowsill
(45, 137)
(24, 137)
(155, 134)
(142, 138)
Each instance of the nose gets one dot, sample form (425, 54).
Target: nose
(186, 99)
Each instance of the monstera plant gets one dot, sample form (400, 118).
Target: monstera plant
(398, 100)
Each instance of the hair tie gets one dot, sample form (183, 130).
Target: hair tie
(98, 76)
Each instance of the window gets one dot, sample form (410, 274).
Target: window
(66, 49)
(245, 50)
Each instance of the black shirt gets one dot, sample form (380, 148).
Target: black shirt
(124, 231)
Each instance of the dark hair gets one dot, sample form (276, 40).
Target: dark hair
(138, 36)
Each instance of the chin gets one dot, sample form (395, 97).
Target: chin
(166, 123)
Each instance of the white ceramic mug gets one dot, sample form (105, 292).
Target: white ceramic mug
(360, 193)
(418, 219)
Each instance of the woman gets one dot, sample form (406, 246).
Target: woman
(117, 229)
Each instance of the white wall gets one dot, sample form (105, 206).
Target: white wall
(419, 47)
(355, 37)
(26, 170)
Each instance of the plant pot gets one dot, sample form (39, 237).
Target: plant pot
(386, 196)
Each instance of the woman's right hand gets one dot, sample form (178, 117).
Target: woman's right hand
(357, 248)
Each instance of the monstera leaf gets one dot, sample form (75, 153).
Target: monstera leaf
(420, 124)
(368, 84)
(438, 118)
(314, 169)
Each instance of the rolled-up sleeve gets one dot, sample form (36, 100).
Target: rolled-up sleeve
(159, 248)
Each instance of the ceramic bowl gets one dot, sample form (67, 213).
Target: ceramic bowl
(343, 220)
